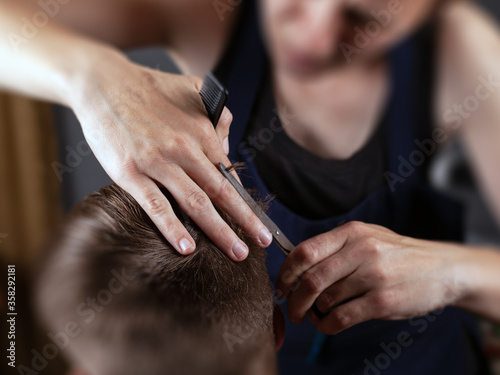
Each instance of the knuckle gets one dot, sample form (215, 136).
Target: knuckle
(171, 143)
(127, 170)
(149, 80)
(223, 231)
(226, 191)
(137, 96)
(206, 127)
(179, 147)
(196, 81)
(147, 155)
(154, 156)
(121, 112)
(355, 227)
(199, 202)
(305, 253)
(250, 221)
(335, 322)
(342, 320)
(384, 300)
(312, 282)
(155, 207)
(286, 278)
(379, 274)
(212, 188)
(372, 245)
(324, 301)
(207, 136)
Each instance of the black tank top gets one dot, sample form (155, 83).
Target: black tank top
(311, 186)
(412, 198)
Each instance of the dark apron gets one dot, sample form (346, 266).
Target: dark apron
(443, 342)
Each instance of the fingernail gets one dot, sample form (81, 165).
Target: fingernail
(240, 250)
(225, 145)
(265, 237)
(185, 245)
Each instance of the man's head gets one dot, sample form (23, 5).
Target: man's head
(125, 302)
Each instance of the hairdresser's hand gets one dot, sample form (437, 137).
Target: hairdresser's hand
(149, 129)
(381, 274)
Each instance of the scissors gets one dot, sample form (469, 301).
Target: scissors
(279, 237)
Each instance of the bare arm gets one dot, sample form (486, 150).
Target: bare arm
(148, 129)
(43, 58)
(121, 23)
(469, 91)
(41, 66)
(375, 273)
(378, 274)
(469, 105)
(479, 271)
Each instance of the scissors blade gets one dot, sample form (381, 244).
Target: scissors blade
(279, 238)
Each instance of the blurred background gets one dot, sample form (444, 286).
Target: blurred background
(46, 167)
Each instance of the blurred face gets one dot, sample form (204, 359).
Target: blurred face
(308, 36)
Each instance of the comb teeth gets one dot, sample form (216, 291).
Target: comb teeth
(214, 96)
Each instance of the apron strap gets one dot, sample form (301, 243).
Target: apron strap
(244, 78)
(402, 123)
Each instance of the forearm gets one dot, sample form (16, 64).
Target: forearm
(481, 131)
(478, 275)
(49, 64)
(469, 61)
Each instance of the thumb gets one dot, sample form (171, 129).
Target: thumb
(222, 129)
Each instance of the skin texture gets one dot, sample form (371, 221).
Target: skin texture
(304, 38)
(382, 275)
(144, 157)
(141, 150)
(346, 94)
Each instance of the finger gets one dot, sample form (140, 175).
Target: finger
(343, 290)
(222, 126)
(222, 129)
(158, 208)
(306, 255)
(313, 318)
(225, 196)
(345, 316)
(315, 281)
(197, 205)
(370, 306)
(215, 154)
(196, 81)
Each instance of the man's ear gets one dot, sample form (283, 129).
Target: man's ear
(279, 326)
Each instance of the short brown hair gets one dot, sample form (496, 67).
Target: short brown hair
(142, 308)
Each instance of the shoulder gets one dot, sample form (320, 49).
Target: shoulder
(468, 60)
(199, 35)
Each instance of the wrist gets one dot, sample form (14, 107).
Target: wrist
(84, 69)
(457, 267)
(475, 272)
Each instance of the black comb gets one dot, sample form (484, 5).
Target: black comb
(214, 96)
